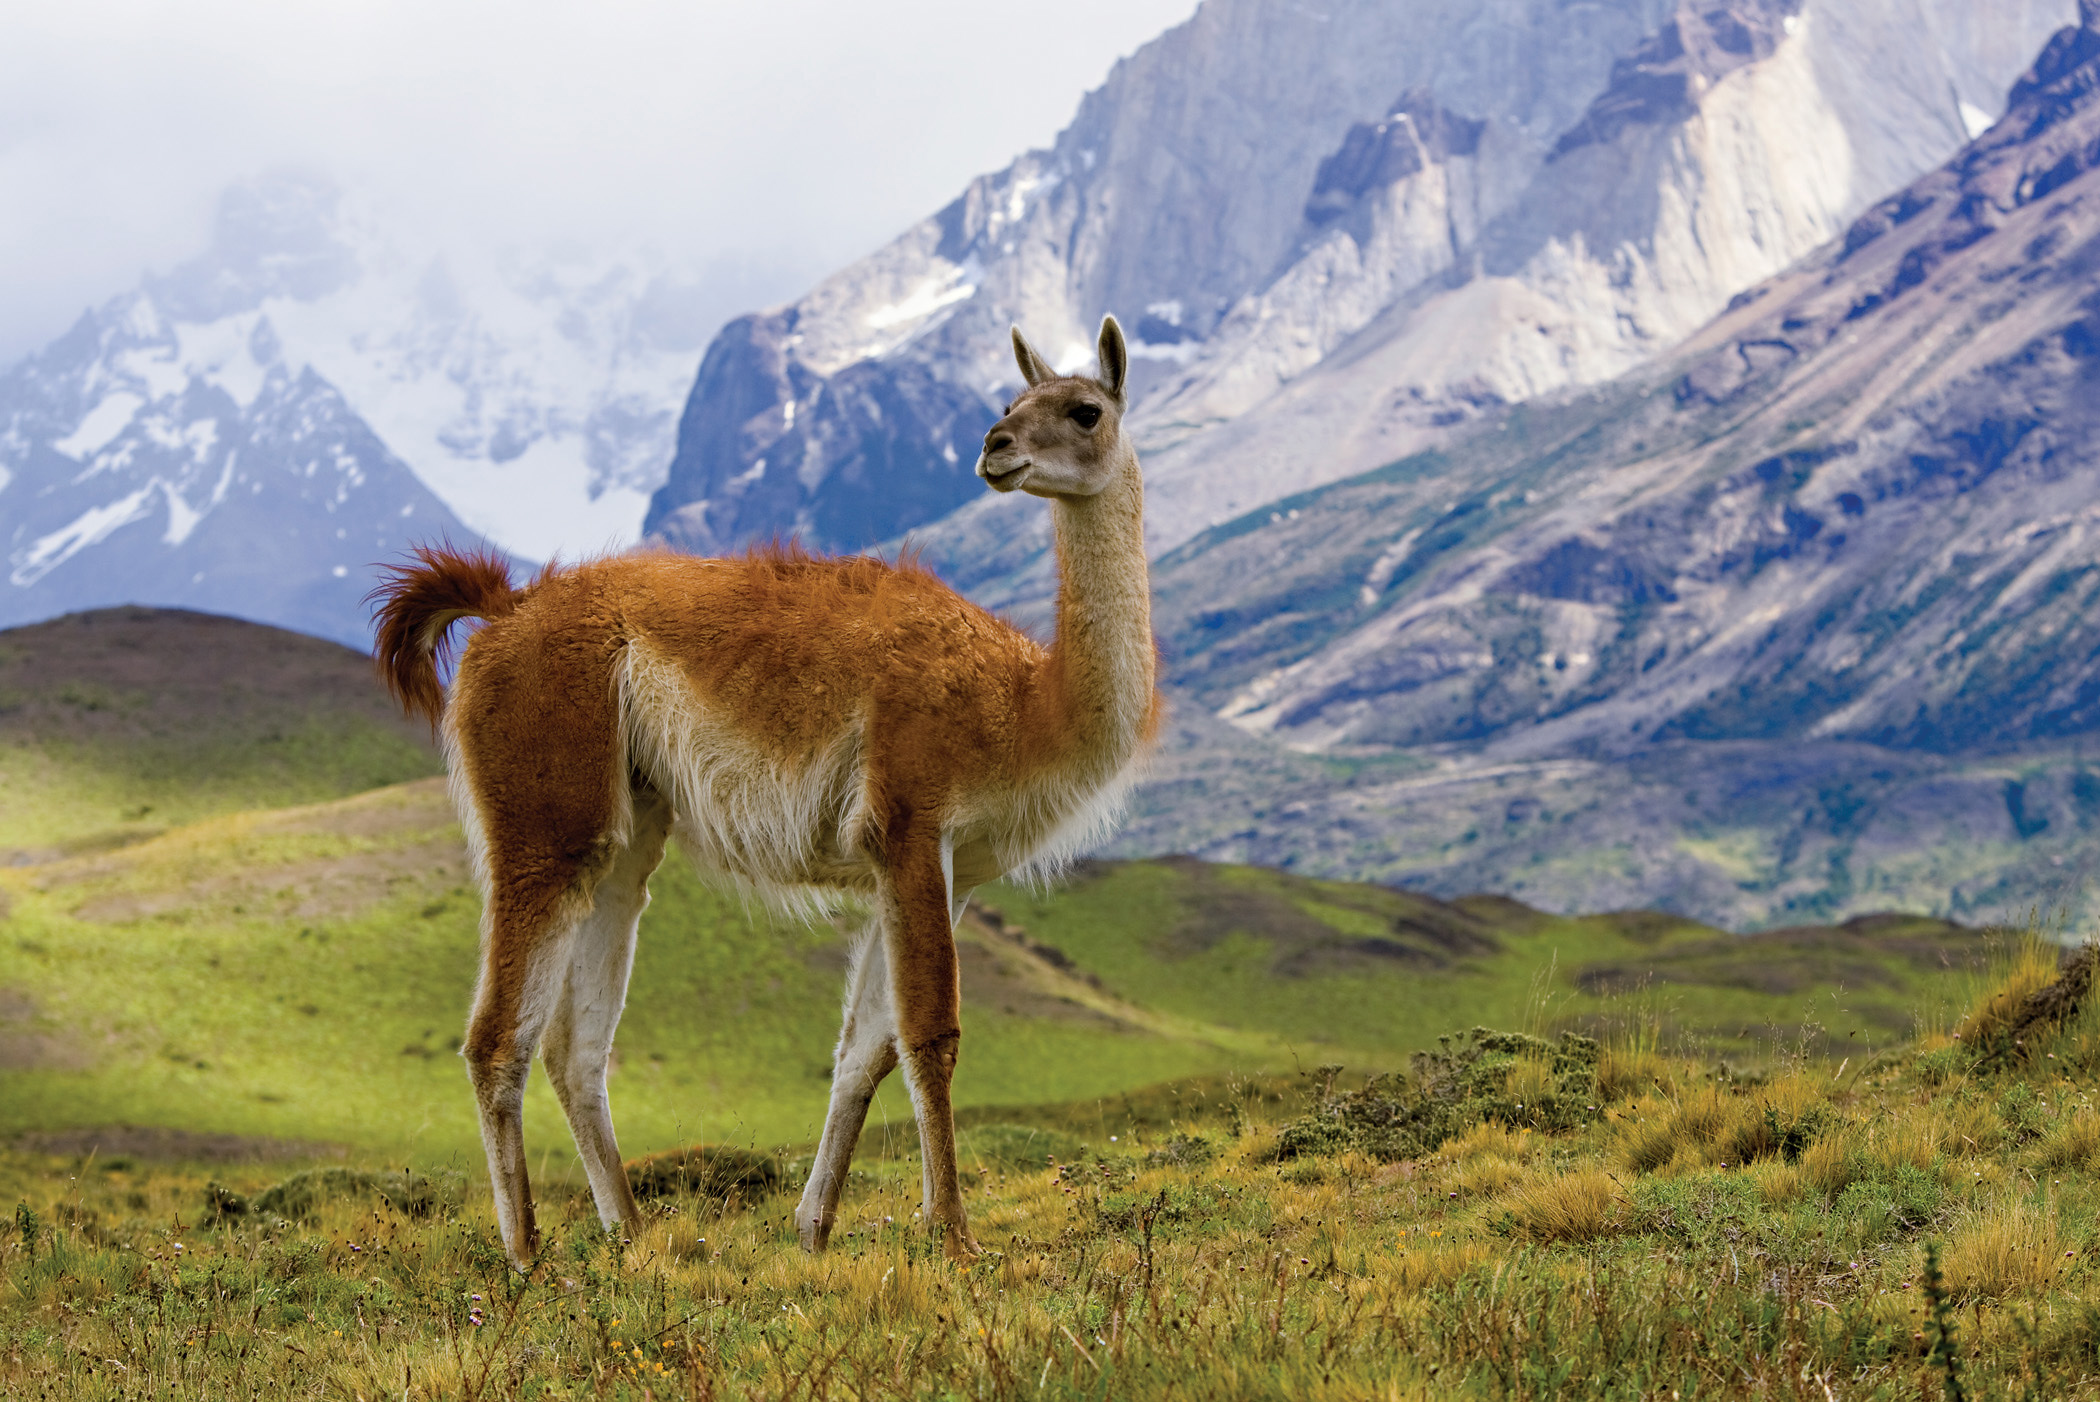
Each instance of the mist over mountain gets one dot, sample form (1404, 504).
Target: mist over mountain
(250, 431)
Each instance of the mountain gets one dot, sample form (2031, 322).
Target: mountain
(1797, 619)
(1337, 235)
(191, 463)
(248, 431)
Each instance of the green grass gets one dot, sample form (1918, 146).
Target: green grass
(1273, 953)
(304, 974)
(117, 724)
(1663, 1244)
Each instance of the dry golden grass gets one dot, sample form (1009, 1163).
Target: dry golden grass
(1968, 1127)
(1910, 1142)
(2005, 1247)
(1484, 1176)
(1625, 1071)
(2074, 1143)
(1834, 1162)
(2028, 964)
(1778, 1182)
(1647, 1137)
(1531, 1079)
(1492, 1139)
(1572, 1207)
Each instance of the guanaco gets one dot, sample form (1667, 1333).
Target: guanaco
(808, 729)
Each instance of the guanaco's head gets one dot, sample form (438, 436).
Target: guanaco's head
(1063, 437)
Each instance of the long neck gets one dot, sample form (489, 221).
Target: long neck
(1096, 686)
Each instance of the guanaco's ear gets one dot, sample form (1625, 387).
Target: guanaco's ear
(1115, 357)
(1034, 368)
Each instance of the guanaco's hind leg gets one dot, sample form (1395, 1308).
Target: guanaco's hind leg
(919, 926)
(867, 1052)
(580, 1032)
(533, 909)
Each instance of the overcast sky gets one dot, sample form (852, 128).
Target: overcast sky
(779, 139)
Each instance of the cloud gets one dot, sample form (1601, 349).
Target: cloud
(766, 142)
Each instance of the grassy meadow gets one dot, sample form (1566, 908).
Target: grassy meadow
(1643, 1226)
(1226, 1129)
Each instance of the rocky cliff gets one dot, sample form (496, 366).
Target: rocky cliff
(1804, 606)
(1338, 235)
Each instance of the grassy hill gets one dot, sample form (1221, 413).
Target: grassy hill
(233, 908)
(119, 723)
(303, 973)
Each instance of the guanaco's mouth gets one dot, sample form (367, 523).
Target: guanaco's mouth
(1003, 479)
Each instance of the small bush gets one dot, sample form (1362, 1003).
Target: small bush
(1943, 1064)
(1183, 1151)
(1504, 1077)
(300, 1196)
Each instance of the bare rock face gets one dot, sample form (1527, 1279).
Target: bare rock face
(1339, 237)
(1834, 556)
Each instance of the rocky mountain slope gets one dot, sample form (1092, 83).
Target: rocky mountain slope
(1337, 235)
(1802, 614)
(249, 431)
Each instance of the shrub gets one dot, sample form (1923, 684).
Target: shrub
(1183, 1151)
(301, 1195)
(1504, 1077)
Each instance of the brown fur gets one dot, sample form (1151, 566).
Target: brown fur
(805, 724)
(419, 605)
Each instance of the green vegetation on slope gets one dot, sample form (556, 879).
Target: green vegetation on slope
(119, 723)
(303, 974)
(1346, 971)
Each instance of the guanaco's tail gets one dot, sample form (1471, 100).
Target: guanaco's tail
(416, 609)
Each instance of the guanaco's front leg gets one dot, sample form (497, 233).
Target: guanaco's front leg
(927, 997)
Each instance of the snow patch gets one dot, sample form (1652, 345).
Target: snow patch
(182, 517)
(102, 424)
(90, 527)
(930, 298)
(158, 368)
(1974, 120)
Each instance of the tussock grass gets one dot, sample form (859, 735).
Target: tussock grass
(1509, 1262)
(2003, 1247)
(2027, 963)
(1572, 1207)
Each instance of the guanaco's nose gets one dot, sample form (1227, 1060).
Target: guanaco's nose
(998, 438)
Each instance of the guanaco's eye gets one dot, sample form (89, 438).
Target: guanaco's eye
(1010, 407)
(1085, 415)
